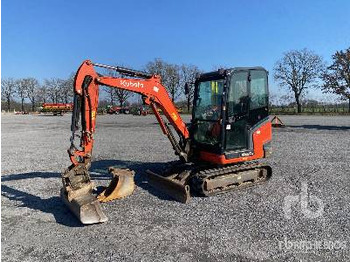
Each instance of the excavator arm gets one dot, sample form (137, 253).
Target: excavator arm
(77, 186)
(86, 89)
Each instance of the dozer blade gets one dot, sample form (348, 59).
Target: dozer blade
(122, 185)
(174, 188)
(77, 195)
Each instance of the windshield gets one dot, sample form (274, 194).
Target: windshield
(207, 110)
(208, 102)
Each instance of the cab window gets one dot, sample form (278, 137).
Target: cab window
(208, 102)
(258, 89)
(238, 94)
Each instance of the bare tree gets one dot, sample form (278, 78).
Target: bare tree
(188, 74)
(170, 74)
(8, 89)
(218, 67)
(273, 99)
(118, 94)
(298, 70)
(42, 94)
(337, 77)
(172, 80)
(58, 90)
(157, 67)
(67, 87)
(21, 91)
(32, 86)
(54, 89)
(123, 96)
(111, 93)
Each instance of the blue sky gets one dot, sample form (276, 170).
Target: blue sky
(46, 39)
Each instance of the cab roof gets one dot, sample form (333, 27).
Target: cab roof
(223, 72)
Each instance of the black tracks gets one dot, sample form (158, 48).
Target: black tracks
(201, 179)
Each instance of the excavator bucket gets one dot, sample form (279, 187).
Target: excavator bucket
(77, 195)
(122, 185)
(86, 208)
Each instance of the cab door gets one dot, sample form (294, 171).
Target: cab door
(237, 116)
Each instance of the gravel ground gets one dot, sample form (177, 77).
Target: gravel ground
(310, 175)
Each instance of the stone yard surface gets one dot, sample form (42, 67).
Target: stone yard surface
(301, 214)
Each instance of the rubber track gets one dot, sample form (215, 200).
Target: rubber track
(198, 180)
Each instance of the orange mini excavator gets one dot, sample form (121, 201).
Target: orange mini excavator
(229, 130)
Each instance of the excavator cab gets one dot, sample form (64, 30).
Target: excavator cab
(229, 106)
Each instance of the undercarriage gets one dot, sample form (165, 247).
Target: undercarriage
(178, 180)
(206, 180)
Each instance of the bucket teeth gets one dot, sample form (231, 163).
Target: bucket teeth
(122, 185)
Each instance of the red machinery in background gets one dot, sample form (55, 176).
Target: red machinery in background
(118, 110)
(56, 108)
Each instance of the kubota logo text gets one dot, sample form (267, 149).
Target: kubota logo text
(128, 83)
